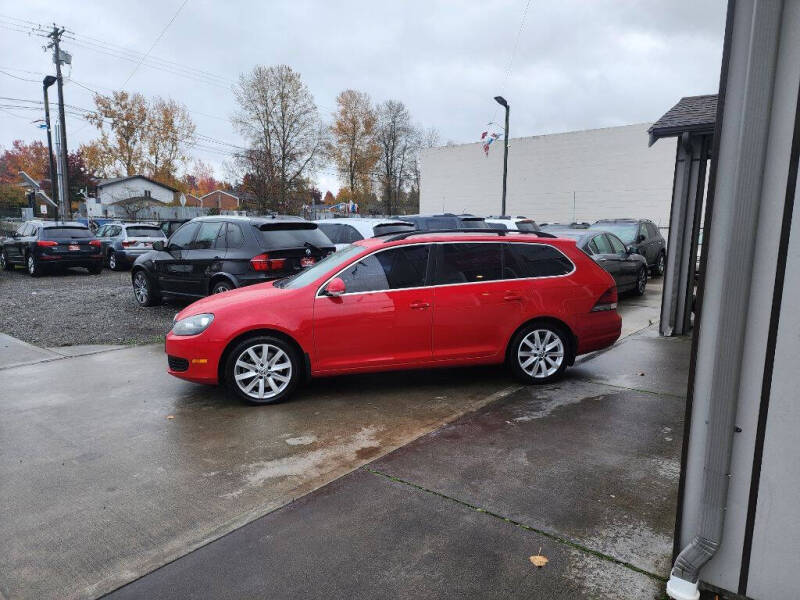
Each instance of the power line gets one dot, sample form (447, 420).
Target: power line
(160, 35)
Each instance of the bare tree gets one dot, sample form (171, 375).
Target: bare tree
(396, 138)
(169, 132)
(278, 117)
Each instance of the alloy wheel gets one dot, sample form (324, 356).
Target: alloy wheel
(3, 262)
(540, 353)
(221, 287)
(262, 371)
(641, 281)
(141, 288)
(112, 261)
(31, 265)
(660, 268)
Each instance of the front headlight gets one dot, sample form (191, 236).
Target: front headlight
(192, 325)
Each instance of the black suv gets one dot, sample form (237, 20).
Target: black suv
(38, 245)
(642, 237)
(209, 255)
(446, 221)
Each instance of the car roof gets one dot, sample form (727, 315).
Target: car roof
(365, 220)
(254, 220)
(52, 224)
(625, 220)
(463, 236)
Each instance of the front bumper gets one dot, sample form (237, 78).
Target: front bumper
(199, 356)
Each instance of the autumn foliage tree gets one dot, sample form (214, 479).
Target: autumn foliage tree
(138, 136)
(353, 147)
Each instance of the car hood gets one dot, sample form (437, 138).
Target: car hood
(261, 294)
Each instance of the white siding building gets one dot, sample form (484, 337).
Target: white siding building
(564, 177)
(111, 191)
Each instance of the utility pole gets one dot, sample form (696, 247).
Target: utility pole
(46, 83)
(502, 102)
(60, 58)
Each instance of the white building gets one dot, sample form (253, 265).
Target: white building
(111, 191)
(564, 177)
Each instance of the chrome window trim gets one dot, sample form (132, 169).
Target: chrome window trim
(319, 293)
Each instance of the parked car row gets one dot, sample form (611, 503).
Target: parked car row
(183, 262)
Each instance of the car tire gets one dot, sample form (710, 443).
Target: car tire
(661, 265)
(33, 265)
(143, 289)
(113, 262)
(263, 370)
(529, 358)
(223, 285)
(5, 264)
(641, 282)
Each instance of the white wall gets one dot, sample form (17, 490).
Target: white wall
(611, 171)
(130, 188)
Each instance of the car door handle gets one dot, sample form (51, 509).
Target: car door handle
(420, 305)
(512, 297)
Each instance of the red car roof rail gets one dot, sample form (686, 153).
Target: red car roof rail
(394, 236)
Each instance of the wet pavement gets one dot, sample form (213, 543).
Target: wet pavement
(584, 473)
(109, 469)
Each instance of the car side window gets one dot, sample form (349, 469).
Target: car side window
(393, 269)
(181, 239)
(206, 237)
(114, 230)
(601, 245)
(22, 230)
(234, 235)
(468, 263)
(616, 244)
(350, 234)
(533, 260)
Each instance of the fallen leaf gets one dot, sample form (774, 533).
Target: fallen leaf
(170, 416)
(539, 560)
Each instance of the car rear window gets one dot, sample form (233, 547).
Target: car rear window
(474, 224)
(292, 235)
(145, 232)
(533, 260)
(382, 228)
(66, 233)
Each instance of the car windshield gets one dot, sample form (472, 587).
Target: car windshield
(145, 232)
(66, 233)
(292, 235)
(329, 263)
(624, 231)
(526, 226)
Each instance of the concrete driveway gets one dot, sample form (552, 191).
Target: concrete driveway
(109, 468)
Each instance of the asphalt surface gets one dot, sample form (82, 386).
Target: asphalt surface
(109, 468)
(580, 472)
(73, 307)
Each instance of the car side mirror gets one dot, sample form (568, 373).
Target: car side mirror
(640, 238)
(336, 287)
(629, 250)
(159, 245)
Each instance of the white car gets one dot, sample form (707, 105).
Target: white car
(512, 223)
(343, 232)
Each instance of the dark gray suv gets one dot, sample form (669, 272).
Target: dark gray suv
(640, 236)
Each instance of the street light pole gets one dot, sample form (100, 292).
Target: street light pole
(502, 102)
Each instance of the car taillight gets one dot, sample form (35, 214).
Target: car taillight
(95, 243)
(608, 301)
(263, 262)
(126, 244)
(46, 243)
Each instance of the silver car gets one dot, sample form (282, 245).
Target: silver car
(123, 243)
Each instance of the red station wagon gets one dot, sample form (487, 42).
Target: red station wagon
(403, 301)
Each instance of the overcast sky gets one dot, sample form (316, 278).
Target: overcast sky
(577, 64)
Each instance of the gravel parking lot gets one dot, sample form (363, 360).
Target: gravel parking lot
(73, 307)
